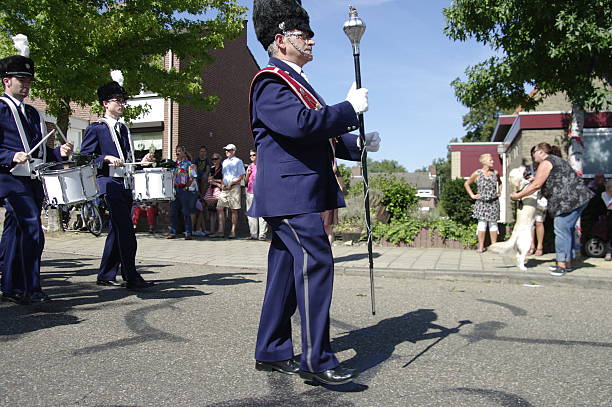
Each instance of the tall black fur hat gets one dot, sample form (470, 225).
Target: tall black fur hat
(271, 17)
(16, 65)
(113, 88)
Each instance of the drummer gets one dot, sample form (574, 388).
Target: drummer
(22, 127)
(109, 139)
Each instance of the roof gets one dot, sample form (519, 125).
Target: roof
(419, 179)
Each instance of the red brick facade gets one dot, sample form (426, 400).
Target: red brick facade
(229, 77)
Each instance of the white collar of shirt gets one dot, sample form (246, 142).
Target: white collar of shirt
(20, 105)
(297, 69)
(111, 121)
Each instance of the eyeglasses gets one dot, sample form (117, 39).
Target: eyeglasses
(299, 34)
(253, 155)
(119, 101)
(216, 158)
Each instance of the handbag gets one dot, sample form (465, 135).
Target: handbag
(212, 193)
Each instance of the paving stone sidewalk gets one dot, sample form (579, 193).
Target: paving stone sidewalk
(398, 262)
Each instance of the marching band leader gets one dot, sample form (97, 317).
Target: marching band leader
(109, 139)
(296, 137)
(22, 128)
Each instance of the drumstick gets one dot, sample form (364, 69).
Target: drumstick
(61, 133)
(41, 141)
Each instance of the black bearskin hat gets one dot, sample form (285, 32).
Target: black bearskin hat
(16, 65)
(271, 17)
(110, 90)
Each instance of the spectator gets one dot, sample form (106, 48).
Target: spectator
(149, 209)
(184, 199)
(233, 173)
(330, 216)
(537, 235)
(211, 196)
(257, 226)
(567, 197)
(486, 207)
(203, 164)
(598, 184)
(607, 198)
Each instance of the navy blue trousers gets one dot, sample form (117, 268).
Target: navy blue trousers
(120, 248)
(300, 274)
(22, 240)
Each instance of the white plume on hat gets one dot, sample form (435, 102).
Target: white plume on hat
(117, 76)
(22, 45)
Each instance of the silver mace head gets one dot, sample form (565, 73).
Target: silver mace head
(354, 28)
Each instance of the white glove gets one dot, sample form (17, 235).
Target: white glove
(372, 140)
(358, 98)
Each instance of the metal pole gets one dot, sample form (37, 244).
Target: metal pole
(354, 29)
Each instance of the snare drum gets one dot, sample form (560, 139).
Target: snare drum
(153, 184)
(69, 186)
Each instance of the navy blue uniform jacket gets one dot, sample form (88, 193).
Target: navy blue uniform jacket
(294, 156)
(97, 140)
(10, 143)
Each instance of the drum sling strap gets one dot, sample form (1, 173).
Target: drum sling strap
(307, 98)
(22, 135)
(115, 138)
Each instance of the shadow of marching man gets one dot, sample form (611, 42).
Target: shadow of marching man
(375, 344)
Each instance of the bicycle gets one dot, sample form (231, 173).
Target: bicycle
(88, 217)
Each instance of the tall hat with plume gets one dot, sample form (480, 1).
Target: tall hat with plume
(113, 88)
(18, 65)
(271, 17)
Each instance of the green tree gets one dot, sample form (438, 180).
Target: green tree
(560, 46)
(480, 122)
(76, 43)
(384, 166)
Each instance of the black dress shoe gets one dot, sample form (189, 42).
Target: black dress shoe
(112, 283)
(16, 298)
(138, 284)
(39, 297)
(332, 377)
(284, 366)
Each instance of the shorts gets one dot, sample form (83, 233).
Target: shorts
(230, 199)
(540, 215)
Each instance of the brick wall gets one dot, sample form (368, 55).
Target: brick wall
(229, 77)
(555, 103)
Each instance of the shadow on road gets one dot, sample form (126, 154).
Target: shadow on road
(375, 344)
(355, 257)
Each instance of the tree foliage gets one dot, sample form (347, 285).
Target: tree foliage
(480, 122)
(76, 43)
(456, 201)
(560, 46)
(384, 166)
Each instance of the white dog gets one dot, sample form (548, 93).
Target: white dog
(520, 240)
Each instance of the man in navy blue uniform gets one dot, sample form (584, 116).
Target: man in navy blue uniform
(21, 129)
(296, 137)
(109, 139)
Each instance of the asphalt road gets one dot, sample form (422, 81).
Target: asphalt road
(190, 341)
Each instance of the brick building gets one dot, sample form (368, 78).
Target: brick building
(516, 134)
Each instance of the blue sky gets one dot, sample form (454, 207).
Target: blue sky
(406, 63)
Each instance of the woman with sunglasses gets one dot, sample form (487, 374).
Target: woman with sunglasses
(215, 181)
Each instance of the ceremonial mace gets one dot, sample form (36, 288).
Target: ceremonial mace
(354, 28)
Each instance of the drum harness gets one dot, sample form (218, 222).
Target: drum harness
(20, 169)
(128, 178)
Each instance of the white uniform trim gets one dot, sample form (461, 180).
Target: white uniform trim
(24, 139)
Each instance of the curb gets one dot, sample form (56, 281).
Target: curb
(528, 278)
